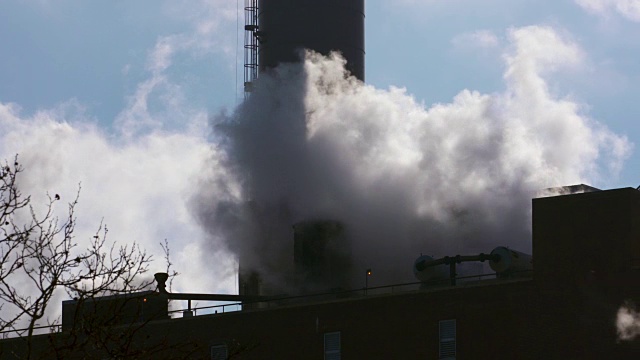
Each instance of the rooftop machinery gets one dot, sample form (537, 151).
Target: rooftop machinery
(504, 261)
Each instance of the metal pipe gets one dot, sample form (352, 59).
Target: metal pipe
(217, 297)
(453, 260)
(161, 279)
(482, 257)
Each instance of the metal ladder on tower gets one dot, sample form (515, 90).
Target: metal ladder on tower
(251, 40)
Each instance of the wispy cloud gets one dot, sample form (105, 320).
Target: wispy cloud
(629, 9)
(158, 101)
(476, 39)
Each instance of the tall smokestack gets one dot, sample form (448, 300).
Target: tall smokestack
(288, 26)
(277, 31)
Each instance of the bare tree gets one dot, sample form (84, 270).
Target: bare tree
(40, 257)
(167, 258)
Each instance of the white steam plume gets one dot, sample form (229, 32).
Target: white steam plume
(404, 178)
(139, 186)
(136, 177)
(628, 322)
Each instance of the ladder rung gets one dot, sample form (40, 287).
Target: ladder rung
(252, 39)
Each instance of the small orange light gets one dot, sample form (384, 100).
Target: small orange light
(144, 300)
(368, 272)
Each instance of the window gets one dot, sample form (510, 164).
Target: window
(332, 346)
(447, 339)
(219, 352)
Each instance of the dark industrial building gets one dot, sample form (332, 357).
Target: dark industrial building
(586, 251)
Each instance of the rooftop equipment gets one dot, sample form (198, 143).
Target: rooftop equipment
(505, 262)
(161, 279)
(114, 310)
(426, 273)
(567, 190)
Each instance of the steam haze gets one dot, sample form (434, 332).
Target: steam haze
(403, 177)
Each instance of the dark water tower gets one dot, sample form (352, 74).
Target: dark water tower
(285, 27)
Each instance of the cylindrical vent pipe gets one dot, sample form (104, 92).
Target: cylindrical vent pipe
(286, 27)
(504, 261)
(510, 261)
(425, 273)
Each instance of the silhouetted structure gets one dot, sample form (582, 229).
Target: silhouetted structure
(277, 31)
(586, 266)
(115, 310)
(321, 256)
(286, 27)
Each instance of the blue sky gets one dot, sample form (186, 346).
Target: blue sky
(119, 93)
(98, 53)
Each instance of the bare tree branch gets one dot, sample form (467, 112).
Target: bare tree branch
(40, 257)
(172, 273)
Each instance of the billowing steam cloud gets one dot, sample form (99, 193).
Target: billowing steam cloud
(137, 186)
(137, 176)
(404, 178)
(628, 322)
